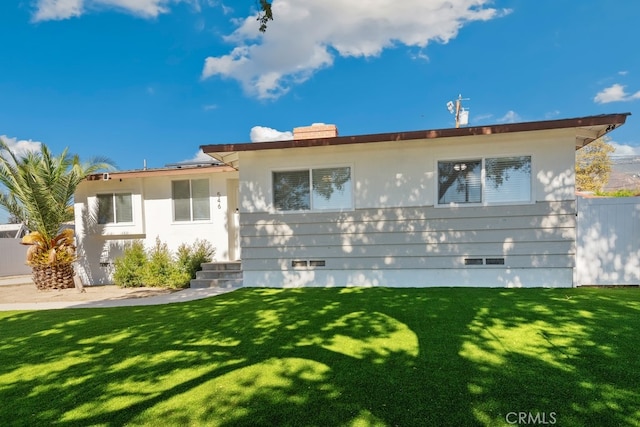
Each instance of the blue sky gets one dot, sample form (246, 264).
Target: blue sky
(152, 80)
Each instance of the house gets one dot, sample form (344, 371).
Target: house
(625, 174)
(177, 204)
(12, 231)
(474, 206)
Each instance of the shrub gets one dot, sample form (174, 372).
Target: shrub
(157, 267)
(619, 193)
(191, 257)
(161, 270)
(129, 267)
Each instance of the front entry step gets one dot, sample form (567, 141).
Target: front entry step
(227, 274)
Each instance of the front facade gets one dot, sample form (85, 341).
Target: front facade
(478, 206)
(490, 206)
(175, 204)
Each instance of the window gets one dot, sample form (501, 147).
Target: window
(508, 179)
(115, 208)
(312, 189)
(490, 180)
(460, 181)
(191, 200)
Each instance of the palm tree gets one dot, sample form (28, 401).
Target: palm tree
(40, 190)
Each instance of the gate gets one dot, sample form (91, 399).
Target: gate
(608, 241)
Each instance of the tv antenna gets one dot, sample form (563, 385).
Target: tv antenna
(462, 115)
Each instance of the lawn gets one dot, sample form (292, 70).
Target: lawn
(330, 357)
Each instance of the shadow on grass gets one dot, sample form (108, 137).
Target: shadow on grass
(336, 356)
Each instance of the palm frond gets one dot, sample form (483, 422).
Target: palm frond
(40, 187)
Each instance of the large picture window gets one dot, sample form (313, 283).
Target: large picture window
(313, 189)
(115, 208)
(191, 200)
(489, 180)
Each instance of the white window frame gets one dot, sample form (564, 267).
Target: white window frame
(113, 195)
(483, 181)
(309, 170)
(191, 201)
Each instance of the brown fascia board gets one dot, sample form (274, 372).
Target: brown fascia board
(160, 172)
(612, 121)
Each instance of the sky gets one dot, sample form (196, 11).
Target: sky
(150, 81)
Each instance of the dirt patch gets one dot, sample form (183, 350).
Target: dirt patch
(27, 293)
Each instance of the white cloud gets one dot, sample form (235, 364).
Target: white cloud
(63, 9)
(200, 157)
(307, 34)
(57, 9)
(615, 93)
(510, 117)
(264, 134)
(257, 134)
(625, 150)
(21, 147)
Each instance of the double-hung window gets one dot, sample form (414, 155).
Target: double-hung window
(191, 200)
(115, 208)
(489, 180)
(313, 189)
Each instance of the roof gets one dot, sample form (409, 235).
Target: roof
(588, 129)
(177, 169)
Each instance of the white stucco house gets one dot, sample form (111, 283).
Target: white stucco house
(474, 206)
(178, 204)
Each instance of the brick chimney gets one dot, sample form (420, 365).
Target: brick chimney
(316, 130)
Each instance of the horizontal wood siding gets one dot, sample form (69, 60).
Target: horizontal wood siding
(535, 236)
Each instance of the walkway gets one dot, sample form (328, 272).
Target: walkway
(170, 298)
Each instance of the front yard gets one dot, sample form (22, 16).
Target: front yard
(330, 357)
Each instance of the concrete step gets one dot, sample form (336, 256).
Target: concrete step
(218, 275)
(216, 283)
(222, 266)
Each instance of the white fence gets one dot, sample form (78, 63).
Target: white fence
(12, 258)
(608, 241)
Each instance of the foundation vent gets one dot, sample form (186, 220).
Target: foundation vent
(298, 263)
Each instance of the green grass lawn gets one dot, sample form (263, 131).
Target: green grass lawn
(330, 357)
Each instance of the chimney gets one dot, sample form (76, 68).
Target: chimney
(315, 131)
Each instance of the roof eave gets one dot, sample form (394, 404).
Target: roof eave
(172, 171)
(588, 129)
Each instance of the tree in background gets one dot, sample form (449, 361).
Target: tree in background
(593, 165)
(39, 194)
(265, 14)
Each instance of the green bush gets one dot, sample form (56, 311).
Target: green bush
(619, 193)
(129, 267)
(157, 267)
(191, 257)
(161, 270)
